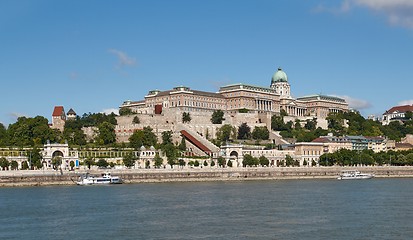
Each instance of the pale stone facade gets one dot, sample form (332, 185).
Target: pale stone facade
(236, 153)
(240, 97)
(58, 118)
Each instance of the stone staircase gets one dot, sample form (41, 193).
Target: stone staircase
(279, 140)
(201, 139)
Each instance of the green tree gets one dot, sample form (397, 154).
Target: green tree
(335, 123)
(158, 161)
(212, 163)
(311, 124)
(4, 163)
(181, 162)
(264, 161)
(72, 165)
(106, 134)
(249, 160)
(56, 162)
(167, 138)
(136, 120)
(205, 163)
(3, 135)
(125, 111)
(260, 133)
(217, 117)
(225, 133)
(289, 161)
(229, 163)
(35, 158)
(102, 163)
(73, 132)
(221, 162)
(25, 165)
(31, 131)
(144, 137)
(244, 131)
(14, 165)
(186, 117)
(182, 145)
(89, 161)
(129, 160)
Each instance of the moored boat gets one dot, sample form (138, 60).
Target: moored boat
(104, 178)
(354, 174)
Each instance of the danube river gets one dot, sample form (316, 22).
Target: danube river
(276, 209)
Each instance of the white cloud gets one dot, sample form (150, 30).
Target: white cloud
(406, 102)
(17, 115)
(354, 103)
(123, 58)
(110, 110)
(397, 12)
(344, 7)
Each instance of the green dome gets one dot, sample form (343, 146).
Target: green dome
(279, 76)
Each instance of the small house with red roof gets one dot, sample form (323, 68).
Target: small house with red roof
(396, 113)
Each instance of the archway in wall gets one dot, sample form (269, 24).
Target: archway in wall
(57, 153)
(234, 154)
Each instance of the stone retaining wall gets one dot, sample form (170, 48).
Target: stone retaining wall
(16, 178)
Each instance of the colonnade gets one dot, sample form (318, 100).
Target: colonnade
(295, 111)
(264, 105)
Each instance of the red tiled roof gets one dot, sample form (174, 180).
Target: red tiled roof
(404, 145)
(401, 109)
(194, 141)
(320, 140)
(58, 111)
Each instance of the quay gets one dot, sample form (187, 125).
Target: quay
(50, 177)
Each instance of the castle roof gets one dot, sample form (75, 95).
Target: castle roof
(58, 111)
(71, 112)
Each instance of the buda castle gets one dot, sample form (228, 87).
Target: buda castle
(236, 98)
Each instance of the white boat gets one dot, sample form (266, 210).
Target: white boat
(354, 174)
(104, 178)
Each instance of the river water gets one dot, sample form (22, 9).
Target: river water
(276, 209)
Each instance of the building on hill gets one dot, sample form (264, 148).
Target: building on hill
(71, 114)
(397, 113)
(357, 143)
(240, 97)
(58, 118)
(241, 103)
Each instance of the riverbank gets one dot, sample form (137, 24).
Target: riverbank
(49, 177)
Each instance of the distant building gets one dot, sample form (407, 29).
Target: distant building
(71, 114)
(396, 114)
(357, 143)
(58, 118)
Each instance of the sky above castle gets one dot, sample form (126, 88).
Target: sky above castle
(93, 55)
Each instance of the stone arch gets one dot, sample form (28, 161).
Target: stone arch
(57, 153)
(234, 154)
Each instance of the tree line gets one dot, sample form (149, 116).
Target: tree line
(29, 132)
(340, 124)
(345, 157)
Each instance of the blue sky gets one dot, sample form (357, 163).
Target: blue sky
(92, 55)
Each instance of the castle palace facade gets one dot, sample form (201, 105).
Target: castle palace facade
(235, 98)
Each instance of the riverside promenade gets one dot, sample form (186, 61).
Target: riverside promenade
(51, 177)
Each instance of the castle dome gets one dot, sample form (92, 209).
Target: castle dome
(279, 76)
